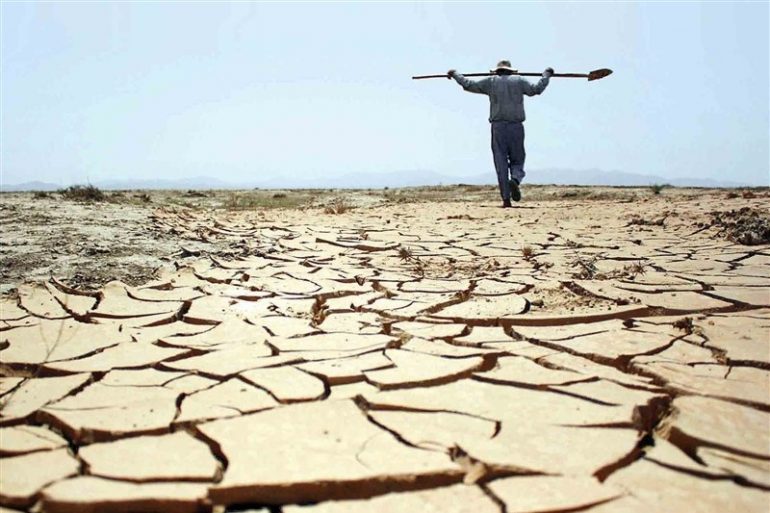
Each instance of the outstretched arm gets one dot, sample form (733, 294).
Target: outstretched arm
(534, 89)
(480, 86)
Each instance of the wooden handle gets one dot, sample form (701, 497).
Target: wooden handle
(594, 75)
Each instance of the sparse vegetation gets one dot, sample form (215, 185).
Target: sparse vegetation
(685, 324)
(338, 206)
(587, 269)
(404, 253)
(635, 269)
(745, 226)
(640, 221)
(252, 200)
(41, 195)
(319, 312)
(576, 193)
(527, 252)
(657, 188)
(82, 193)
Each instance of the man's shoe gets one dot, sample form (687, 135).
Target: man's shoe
(515, 191)
(507, 204)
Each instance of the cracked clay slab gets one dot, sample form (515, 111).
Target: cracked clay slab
(16, 440)
(419, 369)
(527, 494)
(350, 457)
(286, 383)
(227, 399)
(89, 494)
(23, 476)
(448, 499)
(445, 357)
(101, 412)
(172, 457)
(34, 394)
(484, 307)
(58, 340)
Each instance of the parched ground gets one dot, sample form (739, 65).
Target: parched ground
(591, 350)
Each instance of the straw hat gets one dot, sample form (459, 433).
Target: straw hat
(503, 65)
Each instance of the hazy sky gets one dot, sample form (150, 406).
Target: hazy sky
(243, 91)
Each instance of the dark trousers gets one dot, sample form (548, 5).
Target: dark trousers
(508, 153)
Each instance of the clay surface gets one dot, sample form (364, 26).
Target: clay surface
(441, 357)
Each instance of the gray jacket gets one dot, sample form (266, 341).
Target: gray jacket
(506, 94)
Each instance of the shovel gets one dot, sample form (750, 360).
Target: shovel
(593, 75)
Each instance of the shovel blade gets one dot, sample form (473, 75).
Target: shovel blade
(599, 73)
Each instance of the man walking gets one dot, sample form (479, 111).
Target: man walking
(506, 93)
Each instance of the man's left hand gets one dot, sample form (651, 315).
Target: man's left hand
(548, 72)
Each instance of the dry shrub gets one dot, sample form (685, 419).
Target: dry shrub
(635, 269)
(685, 324)
(640, 221)
(82, 193)
(338, 206)
(745, 226)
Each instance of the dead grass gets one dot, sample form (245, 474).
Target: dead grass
(84, 193)
(441, 193)
(338, 206)
(685, 324)
(405, 254)
(258, 199)
(640, 221)
(746, 226)
(635, 269)
(587, 270)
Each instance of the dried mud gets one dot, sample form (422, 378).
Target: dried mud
(568, 355)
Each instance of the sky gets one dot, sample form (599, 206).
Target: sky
(246, 91)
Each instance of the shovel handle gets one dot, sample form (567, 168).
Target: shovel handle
(420, 77)
(594, 75)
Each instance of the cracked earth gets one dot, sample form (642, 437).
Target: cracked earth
(563, 356)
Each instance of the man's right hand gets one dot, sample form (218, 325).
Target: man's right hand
(451, 73)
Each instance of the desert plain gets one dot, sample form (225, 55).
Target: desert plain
(411, 350)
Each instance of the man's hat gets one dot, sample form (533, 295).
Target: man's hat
(503, 66)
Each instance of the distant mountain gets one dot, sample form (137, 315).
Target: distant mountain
(412, 178)
(196, 182)
(617, 178)
(31, 186)
(407, 178)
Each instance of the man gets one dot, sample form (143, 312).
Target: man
(506, 93)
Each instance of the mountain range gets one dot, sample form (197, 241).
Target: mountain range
(407, 178)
